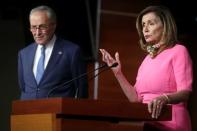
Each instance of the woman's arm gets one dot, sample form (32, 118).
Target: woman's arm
(127, 88)
(177, 97)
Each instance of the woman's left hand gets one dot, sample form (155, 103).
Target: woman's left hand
(156, 105)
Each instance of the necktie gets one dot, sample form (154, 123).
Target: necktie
(40, 66)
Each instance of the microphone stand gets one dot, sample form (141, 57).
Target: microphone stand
(84, 74)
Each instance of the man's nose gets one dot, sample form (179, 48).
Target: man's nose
(37, 31)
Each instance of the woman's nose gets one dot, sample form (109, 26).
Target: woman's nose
(145, 29)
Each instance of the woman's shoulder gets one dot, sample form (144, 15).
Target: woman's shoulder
(180, 51)
(179, 46)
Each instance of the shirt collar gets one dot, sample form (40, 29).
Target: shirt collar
(50, 43)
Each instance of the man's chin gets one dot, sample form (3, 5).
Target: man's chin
(40, 42)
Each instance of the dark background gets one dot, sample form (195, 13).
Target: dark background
(76, 19)
(76, 22)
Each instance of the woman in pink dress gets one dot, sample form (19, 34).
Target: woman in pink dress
(165, 75)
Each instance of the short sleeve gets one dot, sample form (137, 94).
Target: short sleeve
(182, 66)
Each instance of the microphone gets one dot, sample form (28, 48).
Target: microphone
(105, 66)
(113, 65)
(108, 67)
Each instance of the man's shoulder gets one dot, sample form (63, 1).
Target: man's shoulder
(28, 47)
(67, 44)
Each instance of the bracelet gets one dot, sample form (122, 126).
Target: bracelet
(167, 97)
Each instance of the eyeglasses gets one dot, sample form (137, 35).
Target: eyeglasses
(43, 27)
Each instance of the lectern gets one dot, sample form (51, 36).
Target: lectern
(64, 114)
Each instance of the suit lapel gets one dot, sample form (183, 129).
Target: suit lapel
(55, 56)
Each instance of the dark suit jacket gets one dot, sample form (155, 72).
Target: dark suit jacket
(64, 64)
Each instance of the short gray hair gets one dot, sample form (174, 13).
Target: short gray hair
(50, 12)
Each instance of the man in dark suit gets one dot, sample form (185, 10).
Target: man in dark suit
(47, 73)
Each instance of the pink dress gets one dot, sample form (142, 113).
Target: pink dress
(168, 72)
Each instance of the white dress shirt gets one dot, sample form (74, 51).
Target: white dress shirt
(48, 50)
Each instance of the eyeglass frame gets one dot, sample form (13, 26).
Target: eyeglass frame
(42, 27)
